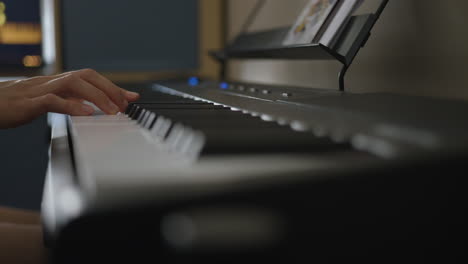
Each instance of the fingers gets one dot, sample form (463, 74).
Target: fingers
(100, 81)
(115, 93)
(65, 93)
(72, 86)
(34, 107)
(120, 97)
(55, 104)
(131, 96)
(78, 100)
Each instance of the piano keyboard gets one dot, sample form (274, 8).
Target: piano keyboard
(192, 146)
(185, 150)
(215, 129)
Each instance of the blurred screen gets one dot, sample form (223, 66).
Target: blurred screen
(20, 33)
(123, 35)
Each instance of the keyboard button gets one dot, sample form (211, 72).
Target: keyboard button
(142, 115)
(150, 121)
(136, 113)
(145, 118)
(131, 109)
(161, 127)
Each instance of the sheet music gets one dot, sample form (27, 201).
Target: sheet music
(310, 22)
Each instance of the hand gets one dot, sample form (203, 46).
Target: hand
(24, 100)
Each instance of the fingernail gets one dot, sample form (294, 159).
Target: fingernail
(113, 108)
(132, 94)
(87, 109)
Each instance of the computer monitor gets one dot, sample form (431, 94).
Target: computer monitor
(20, 34)
(129, 36)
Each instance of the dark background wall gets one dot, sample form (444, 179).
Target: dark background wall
(16, 10)
(23, 151)
(19, 11)
(23, 162)
(122, 35)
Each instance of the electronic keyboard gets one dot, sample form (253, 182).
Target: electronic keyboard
(275, 163)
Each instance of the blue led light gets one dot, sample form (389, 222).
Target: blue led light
(193, 81)
(224, 85)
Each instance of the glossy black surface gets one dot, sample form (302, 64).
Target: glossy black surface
(227, 131)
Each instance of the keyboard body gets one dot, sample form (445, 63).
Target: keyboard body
(276, 164)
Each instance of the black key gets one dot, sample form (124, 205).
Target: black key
(129, 109)
(229, 132)
(137, 113)
(162, 102)
(198, 113)
(156, 107)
